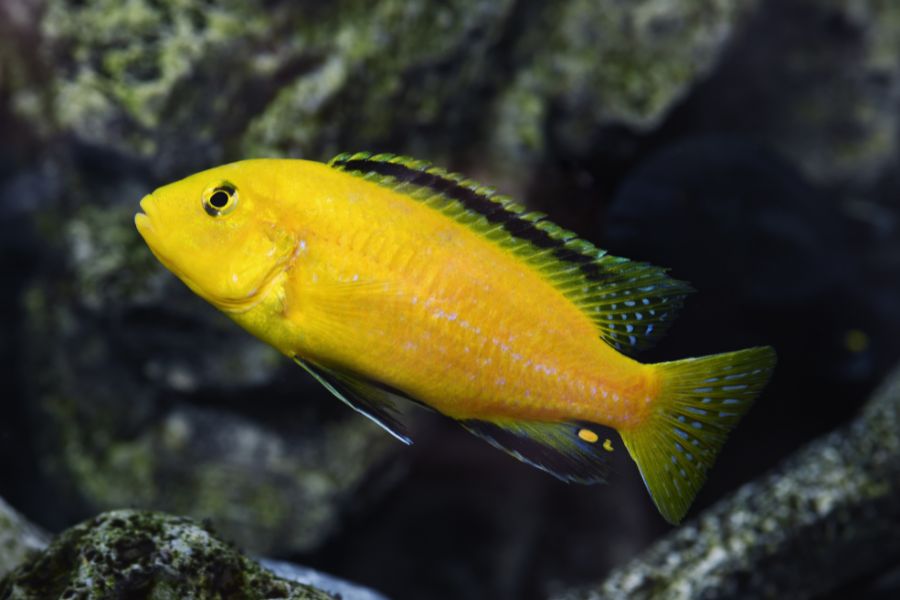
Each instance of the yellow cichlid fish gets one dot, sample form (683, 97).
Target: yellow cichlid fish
(387, 277)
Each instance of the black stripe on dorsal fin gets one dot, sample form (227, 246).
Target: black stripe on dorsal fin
(400, 170)
(631, 303)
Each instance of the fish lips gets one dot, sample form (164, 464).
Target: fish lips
(143, 221)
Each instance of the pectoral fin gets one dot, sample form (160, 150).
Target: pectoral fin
(365, 397)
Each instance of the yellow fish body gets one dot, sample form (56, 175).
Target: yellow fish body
(386, 277)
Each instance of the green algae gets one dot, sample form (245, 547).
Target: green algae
(155, 556)
(586, 65)
(250, 79)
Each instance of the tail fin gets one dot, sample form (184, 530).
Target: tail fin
(700, 401)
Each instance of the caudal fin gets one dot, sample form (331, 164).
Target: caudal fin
(700, 401)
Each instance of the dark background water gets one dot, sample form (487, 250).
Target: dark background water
(750, 147)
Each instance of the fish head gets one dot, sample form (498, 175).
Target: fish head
(222, 232)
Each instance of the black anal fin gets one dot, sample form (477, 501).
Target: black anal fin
(362, 396)
(570, 451)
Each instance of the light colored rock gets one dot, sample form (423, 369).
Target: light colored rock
(18, 538)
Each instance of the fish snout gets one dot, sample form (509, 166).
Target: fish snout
(143, 219)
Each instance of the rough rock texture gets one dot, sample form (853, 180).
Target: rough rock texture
(827, 516)
(129, 554)
(18, 538)
(280, 76)
(824, 88)
(579, 68)
(188, 84)
(147, 397)
(846, 125)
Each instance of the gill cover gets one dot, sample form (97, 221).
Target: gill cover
(219, 235)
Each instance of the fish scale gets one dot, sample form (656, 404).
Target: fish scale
(389, 279)
(457, 396)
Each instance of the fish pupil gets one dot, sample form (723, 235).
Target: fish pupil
(220, 198)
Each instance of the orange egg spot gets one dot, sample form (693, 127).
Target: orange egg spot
(588, 435)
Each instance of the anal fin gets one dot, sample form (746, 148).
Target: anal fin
(570, 451)
(369, 399)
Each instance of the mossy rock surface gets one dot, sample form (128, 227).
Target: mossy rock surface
(186, 84)
(153, 556)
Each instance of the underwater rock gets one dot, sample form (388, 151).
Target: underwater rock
(18, 538)
(826, 517)
(126, 554)
(333, 585)
(245, 78)
(140, 395)
(190, 84)
(590, 64)
(823, 89)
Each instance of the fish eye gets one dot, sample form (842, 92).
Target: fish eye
(220, 199)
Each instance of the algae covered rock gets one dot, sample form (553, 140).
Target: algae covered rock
(142, 395)
(126, 554)
(841, 119)
(822, 89)
(187, 84)
(184, 82)
(590, 64)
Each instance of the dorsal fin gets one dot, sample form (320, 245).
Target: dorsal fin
(631, 303)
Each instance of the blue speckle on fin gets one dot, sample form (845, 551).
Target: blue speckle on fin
(691, 414)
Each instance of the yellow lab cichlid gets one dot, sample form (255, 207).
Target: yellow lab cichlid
(386, 277)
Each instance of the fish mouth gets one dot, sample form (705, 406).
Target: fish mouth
(143, 220)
